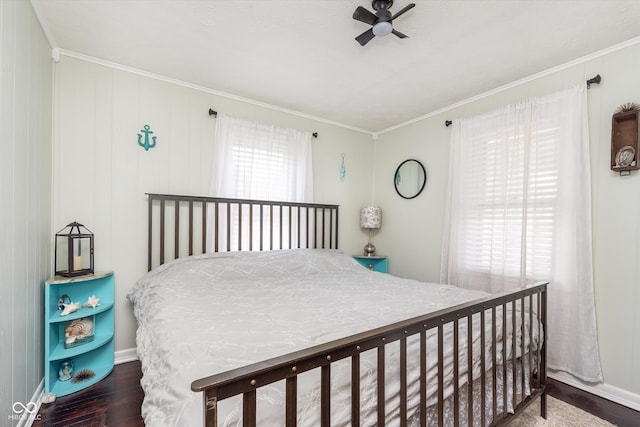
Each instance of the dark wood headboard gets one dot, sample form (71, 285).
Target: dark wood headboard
(182, 225)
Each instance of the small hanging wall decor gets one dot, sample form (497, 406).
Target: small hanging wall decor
(343, 170)
(146, 145)
(625, 143)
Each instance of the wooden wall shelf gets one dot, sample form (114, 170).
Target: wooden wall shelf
(624, 142)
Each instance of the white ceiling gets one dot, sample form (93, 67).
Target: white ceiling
(301, 55)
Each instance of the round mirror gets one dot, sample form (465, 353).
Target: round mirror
(410, 179)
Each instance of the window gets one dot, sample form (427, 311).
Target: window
(264, 162)
(519, 211)
(509, 199)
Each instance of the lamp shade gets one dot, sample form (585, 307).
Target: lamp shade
(370, 217)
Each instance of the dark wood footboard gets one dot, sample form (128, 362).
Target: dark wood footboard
(521, 364)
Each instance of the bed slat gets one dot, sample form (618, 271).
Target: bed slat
(190, 228)
(292, 402)
(470, 367)
(494, 361)
(423, 378)
(522, 341)
(239, 226)
(403, 380)
(483, 365)
(456, 397)
(542, 377)
(530, 334)
(281, 214)
(176, 234)
(381, 395)
(505, 343)
(440, 375)
(162, 238)
(204, 227)
(228, 227)
(514, 372)
(325, 395)
(307, 227)
(150, 233)
(290, 226)
(249, 409)
(355, 390)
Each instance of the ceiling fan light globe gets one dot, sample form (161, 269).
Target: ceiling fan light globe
(382, 29)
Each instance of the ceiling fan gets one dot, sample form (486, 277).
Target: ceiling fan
(381, 21)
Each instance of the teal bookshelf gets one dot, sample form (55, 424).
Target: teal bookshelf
(95, 353)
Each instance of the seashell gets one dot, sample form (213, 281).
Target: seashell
(625, 156)
(92, 302)
(83, 375)
(628, 106)
(70, 308)
(78, 329)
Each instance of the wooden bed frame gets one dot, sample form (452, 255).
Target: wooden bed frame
(282, 225)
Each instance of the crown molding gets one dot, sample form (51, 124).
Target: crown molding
(550, 71)
(182, 83)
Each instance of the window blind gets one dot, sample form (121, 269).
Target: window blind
(508, 196)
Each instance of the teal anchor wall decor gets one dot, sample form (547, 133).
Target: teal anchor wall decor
(147, 131)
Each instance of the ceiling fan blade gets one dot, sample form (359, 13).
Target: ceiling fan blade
(365, 37)
(399, 34)
(363, 15)
(403, 10)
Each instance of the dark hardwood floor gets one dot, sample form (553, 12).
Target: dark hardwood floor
(116, 401)
(615, 413)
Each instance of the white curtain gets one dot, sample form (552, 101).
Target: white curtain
(259, 161)
(519, 211)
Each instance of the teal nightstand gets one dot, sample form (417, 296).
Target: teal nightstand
(374, 263)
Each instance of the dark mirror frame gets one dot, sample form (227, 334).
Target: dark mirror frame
(424, 181)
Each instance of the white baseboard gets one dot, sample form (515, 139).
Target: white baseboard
(126, 355)
(27, 421)
(606, 391)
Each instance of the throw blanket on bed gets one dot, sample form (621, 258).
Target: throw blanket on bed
(207, 314)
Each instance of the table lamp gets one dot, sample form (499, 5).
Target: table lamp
(370, 217)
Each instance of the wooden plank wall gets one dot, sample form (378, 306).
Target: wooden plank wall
(25, 190)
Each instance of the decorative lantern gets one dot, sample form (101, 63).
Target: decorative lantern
(74, 251)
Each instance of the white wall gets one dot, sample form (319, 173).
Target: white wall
(101, 175)
(412, 230)
(25, 192)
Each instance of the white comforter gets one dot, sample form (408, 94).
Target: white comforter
(207, 314)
